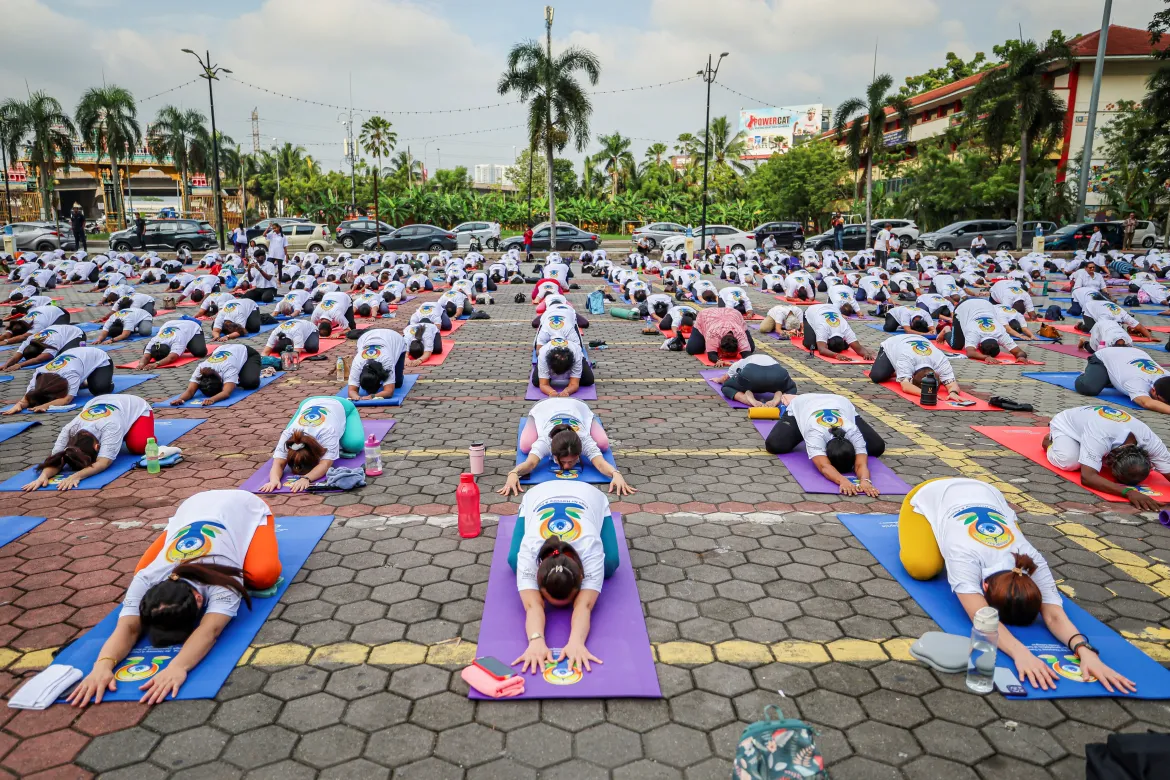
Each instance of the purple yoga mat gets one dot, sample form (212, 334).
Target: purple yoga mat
(710, 373)
(617, 633)
(812, 481)
(379, 428)
(583, 393)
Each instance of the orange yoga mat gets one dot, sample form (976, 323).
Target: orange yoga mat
(796, 342)
(796, 301)
(1004, 357)
(944, 400)
(1027, 442)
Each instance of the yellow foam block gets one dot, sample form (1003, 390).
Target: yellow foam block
(763, 413)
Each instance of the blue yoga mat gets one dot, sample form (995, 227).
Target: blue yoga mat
(4, 379)
(8, 430)
(879, 534)
(89, 327)
(239, 394)
(1066, 379)
(122, 383)
(165, 432)
(544, 471)
(13, 527)
(295, 536)
(395, 399)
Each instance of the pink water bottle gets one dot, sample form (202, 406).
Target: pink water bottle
(475, 453)
(467, 498)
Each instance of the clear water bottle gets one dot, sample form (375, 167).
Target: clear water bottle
(340, 369)
(373, 457)
(152, 464)
(981, 656)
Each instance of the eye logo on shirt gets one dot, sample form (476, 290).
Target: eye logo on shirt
(832, 318)
(829, 418)
(985, 324)
(1147, 366)
(58, 363)
(136, 668)
(44, 334)
(1112, 414)
(562, 674)
(556, 321)
(1112, 308)
(372, 352)
(193, 541)
(426, 308)
(565, 419)
(168, 331)
(97, 412)
(1068, 667)
(327, 304)
(919, 347)
(219, 356)
(312, 416)
(987, 526)
(561, 519)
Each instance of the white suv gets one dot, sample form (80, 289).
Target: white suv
(904, 229)
(726, 237)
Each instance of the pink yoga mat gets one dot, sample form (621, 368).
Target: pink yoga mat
(583, 393)
(812, 481)
(379, 428)
(1074, 351)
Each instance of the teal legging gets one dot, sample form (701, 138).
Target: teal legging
(353, 440)
(609, 544)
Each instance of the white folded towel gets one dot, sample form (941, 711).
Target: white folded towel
(44, 689)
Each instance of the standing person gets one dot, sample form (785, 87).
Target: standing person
(528, 243)
(881, 246)
(494, 240)
(1095, 241)
(1129, 229)
(140, 229)
(239, 240)
(77, 224)
(277, 249)
(838, 232)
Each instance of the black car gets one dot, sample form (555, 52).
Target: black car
(355, 231)
(167, 234)
(852, 239)
(1076, 236)
(788, 235)
(569, 237)
(261, 227)
(415, 238)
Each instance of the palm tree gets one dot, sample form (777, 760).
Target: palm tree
(558, 107)
(1018, 91)
(10, 135)
(655, 153)
(865, 134)
(590, 177)
(107, 118)
(615, 151)
(402, 164)
(181, 135)
(50, 131)
(377, 139)
(726, 147)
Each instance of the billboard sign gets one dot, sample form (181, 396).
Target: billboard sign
(775, 130)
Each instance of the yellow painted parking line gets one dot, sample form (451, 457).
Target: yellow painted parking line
(1155, 575)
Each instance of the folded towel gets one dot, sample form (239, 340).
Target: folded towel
(341, 478)
(489, 686)
(43, 689)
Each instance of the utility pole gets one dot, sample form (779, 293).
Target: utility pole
(1091, 125)
(708, 75)
(211, 73)
(552, 204)
(255, 132)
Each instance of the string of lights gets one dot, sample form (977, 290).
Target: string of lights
(165, 91)
(755, 101)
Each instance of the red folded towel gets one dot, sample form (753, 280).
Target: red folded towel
(489, 686)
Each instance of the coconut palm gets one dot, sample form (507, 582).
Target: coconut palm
(591, 178)
(182, 135)
(558, 107)
(107, 118)
(617, 158)
(862, 122)
(49, 131)
(1019, 90)
(726, 147)
(377, 139)
(10, 135)
(405, 166)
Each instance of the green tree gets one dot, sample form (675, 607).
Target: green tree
(49, 131)
(10, 136)
(107, 118)
(615, 152)
(406, 168)
(802, 184)
(1134, 143)
(454, 180)
(181, 135)
(956, 68)
(379, 140)
(1021, 92)
(862, 123)
(725, 146)
(558, 106)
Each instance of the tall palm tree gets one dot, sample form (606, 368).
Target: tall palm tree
(726, 146)
(558, 107)
(615, 151)
(181, 135)
(862, 122)
(10, 135)
(377, 139)
(402, 164)
(107, 118)
(1020, 91)
(655, 153)
(50, 138)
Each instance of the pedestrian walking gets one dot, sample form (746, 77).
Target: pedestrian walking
(239, 240)
(77, 224)
(1130, 228)
(140, 229)
(277, 246)
(1095, 241)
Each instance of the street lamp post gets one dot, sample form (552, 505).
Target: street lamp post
(211, 73)
(276, 156)
(708, 75)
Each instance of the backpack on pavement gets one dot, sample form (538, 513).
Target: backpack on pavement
(778, 748)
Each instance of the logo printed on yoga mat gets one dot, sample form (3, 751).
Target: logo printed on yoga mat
(1146, 366)
(58, 363)
(137, 668)
(312, 416)
(1068, 667)
(985, 324)
(829, 418)
(920, 347)
(219, 356)
(572, 473)
(193, 541)
(987, 526)
(561, 519)
(1113, 414)
(97, 412)
(561, 673)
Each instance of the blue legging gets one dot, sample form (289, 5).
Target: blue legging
(353, 440)
(609, 544)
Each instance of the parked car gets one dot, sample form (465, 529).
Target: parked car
(569, 238)
(657, 232)
(1076, 236)
(302, 236)
(168, 235)
(998, 233)
(1030, 229)
(852, 239)
(41, 236)
(788, 235)
(905, 229)
(1148, 234)
(355, 231)
(726, 237)
(261, 227)
(415, 238)
(488, 234)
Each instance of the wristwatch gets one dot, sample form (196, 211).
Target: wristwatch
(1085, 644)
(534, 636)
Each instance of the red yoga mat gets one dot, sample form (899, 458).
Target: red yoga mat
(1028, 441)
(437, 360)
(795, 301)
(796, 342)
(1003, 357)
(1063, 328)
(943, 404)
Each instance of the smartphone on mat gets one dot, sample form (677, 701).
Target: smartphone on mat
(962, 403)
(495, 667)
(1007, 683)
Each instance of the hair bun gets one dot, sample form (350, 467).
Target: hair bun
(837, 432)
(1024, 564)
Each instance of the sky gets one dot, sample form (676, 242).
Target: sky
(431, 55)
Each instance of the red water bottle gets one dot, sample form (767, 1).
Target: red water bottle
(467, 498)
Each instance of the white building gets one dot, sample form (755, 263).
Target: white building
(488, 174)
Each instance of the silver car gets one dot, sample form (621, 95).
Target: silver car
(488, 234)
(657, 232)
(41, 236)
(1148, 234)
(998, 233)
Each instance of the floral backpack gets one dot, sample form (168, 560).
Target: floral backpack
(777, 748)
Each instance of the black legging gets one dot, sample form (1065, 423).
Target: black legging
(74, 344)
(197, 346)
(697, 345)
(261, 294)
(586, 374)
(1094, 379)
(756, 378)
(313, 343)
(252, 324)
(891, 325)
(400, 365)
(101, 380)
(786, 436)
(250, 371)
(882, 369)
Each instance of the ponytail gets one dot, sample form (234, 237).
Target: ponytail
(304, 453)
(80, 453)
(1014, 593)
(559, 572)
(840, 451)
(169, 612)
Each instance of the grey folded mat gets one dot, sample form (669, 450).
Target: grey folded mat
(942, 652)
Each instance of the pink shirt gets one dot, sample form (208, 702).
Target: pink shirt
(715, 323)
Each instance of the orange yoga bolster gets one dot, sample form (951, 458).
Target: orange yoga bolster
(261, 564)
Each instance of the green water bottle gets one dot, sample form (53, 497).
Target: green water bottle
(152, 465)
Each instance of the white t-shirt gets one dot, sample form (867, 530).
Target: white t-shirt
(53, 337)
(324, 420)
(382, 345)
(1099, 428)
(74, 366)
(297, 298)
(817, 414)
(43, 316)
(257, 280)
(796, 281)
(1095, 241)
(908, 353)
(1131, 370)
(237, 311)
(1008, 291)
(542, 368)
(558, 322)
(277, 244)
(827, 321)
(108, 418)
(882, 242)
(1156, 292)
(905, 315)
(1106, 310)
(216, 526)
(1106, 333)
(946, 285)
(175, 334)
(427, 312)
(751, 360)
(575, 512)
(978, 533)
(130, 319)
(332, 308)
(1082, 279)
(732, 296)
(554, 411)
(227, 360)
(977, 319)
(295, 330)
